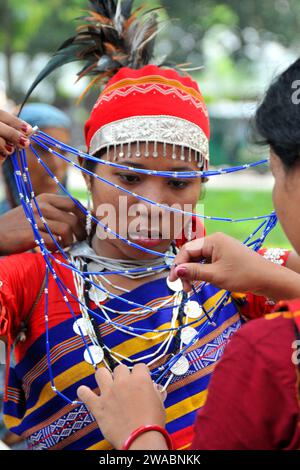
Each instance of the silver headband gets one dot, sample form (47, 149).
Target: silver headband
(179, 133)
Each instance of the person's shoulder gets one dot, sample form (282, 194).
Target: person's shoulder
(269, 339)
(268, 328)
(22, 258)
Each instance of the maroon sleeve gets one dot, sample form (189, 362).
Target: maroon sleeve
(251, 402)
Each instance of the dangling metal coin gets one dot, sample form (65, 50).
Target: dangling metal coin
(82, 324)
(96, 353)
(97, 295)
(188, 334)
(192, 309)
(94, 267)
(175, 286)
(181, 366)
(168, 259)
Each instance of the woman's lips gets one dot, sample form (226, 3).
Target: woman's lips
(147, 240)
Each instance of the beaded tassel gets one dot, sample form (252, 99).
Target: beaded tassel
(121, 153)
(164, 149)
(129, 150)
(147, 149)
(138, 152)
(174, 152)
(155, 153)
(107, 151)
(182, 155)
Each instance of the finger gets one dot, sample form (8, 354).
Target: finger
(196, 272)
(199, 249)
(17, 138)
(49, 242)
(161, 391)
(104, 379)
(141, 371)
(50, 212)
(2, 158)
(29, 242)
(5, 147)
(121, 372)
(64, 203)
(88, 397)
(15, 122)
(61, 231)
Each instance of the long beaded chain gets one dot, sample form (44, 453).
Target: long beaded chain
(177, 353)
(41, 138)
(146, 200)
(109, 354)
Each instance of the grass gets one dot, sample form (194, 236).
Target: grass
(235, 204)
(240, 204)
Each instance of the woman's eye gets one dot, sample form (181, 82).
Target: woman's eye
(178, 184)
(130, 179)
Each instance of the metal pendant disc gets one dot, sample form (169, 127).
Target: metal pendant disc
(96, 352)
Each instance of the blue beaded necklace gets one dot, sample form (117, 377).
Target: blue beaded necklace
(29, 201)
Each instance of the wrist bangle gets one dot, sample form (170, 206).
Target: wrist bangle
(149, 427)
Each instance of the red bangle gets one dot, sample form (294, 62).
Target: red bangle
(149, 427)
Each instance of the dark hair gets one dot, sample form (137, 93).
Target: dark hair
(90, 165)
(277, 119)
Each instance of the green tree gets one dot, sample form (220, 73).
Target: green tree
(34, 26)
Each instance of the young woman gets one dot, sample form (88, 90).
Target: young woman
(254, 396)
(148, 118)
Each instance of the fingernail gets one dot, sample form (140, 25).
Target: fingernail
(25, 128)
(9, 148)
(181, 272)
(22, 141)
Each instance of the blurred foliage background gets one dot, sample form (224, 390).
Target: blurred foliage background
(242, 46)
(234, 40)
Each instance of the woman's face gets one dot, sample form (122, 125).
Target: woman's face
(138, 221)
(286, 198)
(41, 182)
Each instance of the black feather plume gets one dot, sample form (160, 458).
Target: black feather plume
(112, 36)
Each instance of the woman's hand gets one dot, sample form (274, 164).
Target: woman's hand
(13, 133)
(128, 400)
(226, 263)
(65, 220)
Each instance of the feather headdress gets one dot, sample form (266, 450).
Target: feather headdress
(112, 36)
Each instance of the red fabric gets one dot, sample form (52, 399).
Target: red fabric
(255, 306)
(288, 305)
(291, 306)
(198, 231)
(22, 276)
(252, 399)
(284, 256)
(151, 103)
(182, 437)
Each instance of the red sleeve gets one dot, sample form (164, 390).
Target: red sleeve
(254, 306)
(250, 405)
(21, 277)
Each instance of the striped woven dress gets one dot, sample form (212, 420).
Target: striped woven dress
(33, 410)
